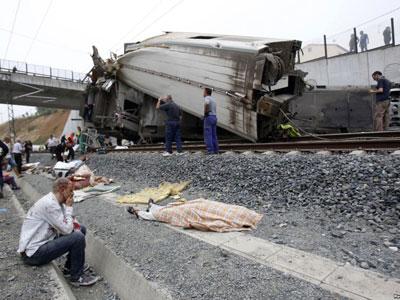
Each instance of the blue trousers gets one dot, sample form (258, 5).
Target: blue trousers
(173, 133)
(73, 244)
(210, 134)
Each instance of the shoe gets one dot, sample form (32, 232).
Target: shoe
(14, 188)
(67, 272)
(132, 211)
(180, 153)
(166, 154)
(85, 280)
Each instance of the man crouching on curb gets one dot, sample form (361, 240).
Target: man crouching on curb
(49, 231)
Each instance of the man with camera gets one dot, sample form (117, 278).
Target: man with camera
(172, 124)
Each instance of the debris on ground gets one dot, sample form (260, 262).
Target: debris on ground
(163, 191)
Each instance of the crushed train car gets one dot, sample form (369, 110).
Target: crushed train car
(252, 80)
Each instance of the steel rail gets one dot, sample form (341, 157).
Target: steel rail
(334, 145)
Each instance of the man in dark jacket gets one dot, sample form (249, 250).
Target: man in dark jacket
(382, 91)
(172, 124)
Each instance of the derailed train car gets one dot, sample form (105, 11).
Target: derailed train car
(252, 80)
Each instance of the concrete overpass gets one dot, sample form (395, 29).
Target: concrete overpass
(353, 69)
(32, 85)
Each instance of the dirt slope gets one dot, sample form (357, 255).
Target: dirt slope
(38, 128)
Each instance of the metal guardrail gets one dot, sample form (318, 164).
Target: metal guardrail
(42, 71)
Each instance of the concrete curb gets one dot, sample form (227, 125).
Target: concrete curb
(124, 279)
(63, 292)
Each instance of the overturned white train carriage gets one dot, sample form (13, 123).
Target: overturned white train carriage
(252, 80)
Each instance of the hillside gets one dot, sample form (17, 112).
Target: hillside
(38, 128)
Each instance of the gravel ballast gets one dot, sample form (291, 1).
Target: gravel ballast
(185, 267)
(343, 207)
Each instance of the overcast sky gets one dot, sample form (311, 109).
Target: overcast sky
(59, 33)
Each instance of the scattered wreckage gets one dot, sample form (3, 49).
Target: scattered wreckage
(252, 79)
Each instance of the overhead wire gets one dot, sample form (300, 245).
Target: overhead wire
(158, 19)
(38, 29)
(137, 24)
(63, 46)
(370, 20)
(12, 28)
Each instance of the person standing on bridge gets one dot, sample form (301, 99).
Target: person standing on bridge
(387, 35)
(210, 122)
(364, 41)
(382, 91)
(172, 124)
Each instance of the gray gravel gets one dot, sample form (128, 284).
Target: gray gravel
(186, 267)
(344, 207)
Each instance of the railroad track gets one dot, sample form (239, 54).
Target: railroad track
(367, 144)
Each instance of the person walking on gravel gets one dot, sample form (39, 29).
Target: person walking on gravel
(210, 122)
(382, 91)
(49, 231)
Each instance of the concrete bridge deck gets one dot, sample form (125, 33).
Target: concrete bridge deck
(24, 86)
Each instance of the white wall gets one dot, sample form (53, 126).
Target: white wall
(351, 69)
(72, 123)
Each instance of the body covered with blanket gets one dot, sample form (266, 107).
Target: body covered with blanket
(203, 215)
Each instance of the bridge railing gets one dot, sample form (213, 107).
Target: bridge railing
(380, 32)
(42, 71)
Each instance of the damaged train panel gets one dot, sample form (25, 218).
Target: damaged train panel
(251, 78)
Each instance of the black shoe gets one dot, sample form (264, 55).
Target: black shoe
(67, 272)
(132, 211)
(85, 280)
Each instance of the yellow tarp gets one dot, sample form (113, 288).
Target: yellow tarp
(164, 190)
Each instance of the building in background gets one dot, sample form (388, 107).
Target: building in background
(314, 51)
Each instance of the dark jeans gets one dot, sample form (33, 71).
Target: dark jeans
(27, 156)
(210, 134)
(73, 244)
(18, 161)
(1, 179)
(71, 153)
(173, 133)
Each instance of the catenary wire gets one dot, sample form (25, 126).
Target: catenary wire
(12, 28)
(38, 30)
(137, 24)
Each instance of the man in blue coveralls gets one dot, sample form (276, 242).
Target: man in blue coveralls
(172, 124)
(210, 122)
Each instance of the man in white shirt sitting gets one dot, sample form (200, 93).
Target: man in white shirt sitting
(49, 231)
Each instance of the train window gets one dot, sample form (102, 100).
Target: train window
(203, 37)
(130, 107)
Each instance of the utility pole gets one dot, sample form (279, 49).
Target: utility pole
(11, 121)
